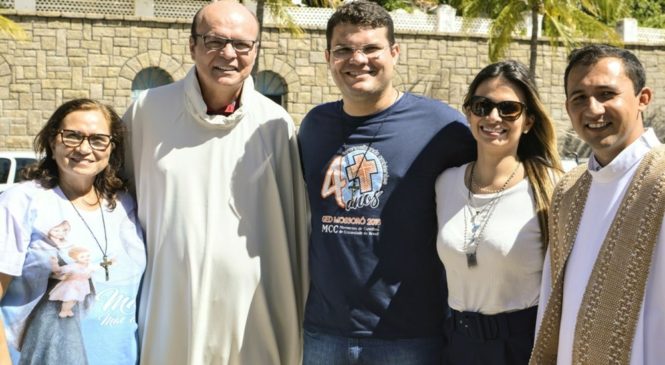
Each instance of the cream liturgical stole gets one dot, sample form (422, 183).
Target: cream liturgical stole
(609, 311)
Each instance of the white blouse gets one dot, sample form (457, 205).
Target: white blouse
(510, 253)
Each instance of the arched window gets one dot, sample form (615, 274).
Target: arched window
(271, 85)
(148, 78)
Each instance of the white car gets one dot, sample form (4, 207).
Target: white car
(11, 163)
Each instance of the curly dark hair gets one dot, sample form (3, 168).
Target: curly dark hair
(363, 13)
(108, 182)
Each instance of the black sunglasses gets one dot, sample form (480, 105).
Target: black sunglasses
(508, 110)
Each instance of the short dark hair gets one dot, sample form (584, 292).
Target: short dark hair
(591, 54)
(108, 182)
(363, 13)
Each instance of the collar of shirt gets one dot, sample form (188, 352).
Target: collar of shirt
(226, 110)
(627, 158)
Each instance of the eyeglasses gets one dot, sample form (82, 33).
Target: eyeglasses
(216, 43)
(508, 110)
(71, 138)
(370, 51)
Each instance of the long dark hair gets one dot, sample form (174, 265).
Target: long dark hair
(537, 149)
(108, 182)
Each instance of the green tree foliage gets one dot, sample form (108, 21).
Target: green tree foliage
(391, 5)
(278, 9)
(609, 11)
(649, 13)
(564, 21)
(483, 9)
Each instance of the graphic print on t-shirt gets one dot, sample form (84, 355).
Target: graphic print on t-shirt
(52, 332)
(72, 302)
(74, 275)
(75, 283)
(59, 308)
(355, 179)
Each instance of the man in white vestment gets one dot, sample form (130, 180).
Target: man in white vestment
(221, 198)
(603, 291)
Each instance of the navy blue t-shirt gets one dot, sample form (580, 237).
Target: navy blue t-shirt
(370, 180)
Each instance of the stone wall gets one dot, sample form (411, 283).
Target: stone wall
(439, 66)
(99, 56)
(65, 58)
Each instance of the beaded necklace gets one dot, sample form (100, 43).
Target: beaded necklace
(478, 220)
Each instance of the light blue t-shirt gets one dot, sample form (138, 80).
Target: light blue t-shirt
(59, 307)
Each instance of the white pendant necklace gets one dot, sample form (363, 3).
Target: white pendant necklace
(478, 220)
(105, 260)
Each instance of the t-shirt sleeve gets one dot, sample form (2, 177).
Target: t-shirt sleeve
(14, 231)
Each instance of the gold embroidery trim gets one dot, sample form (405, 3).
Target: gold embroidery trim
(613, 298)
(571, 193)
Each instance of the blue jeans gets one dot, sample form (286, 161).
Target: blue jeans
(324, 349)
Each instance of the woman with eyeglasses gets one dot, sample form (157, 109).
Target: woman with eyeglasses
(492, 216)
(71, 249)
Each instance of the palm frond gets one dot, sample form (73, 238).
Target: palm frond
(503, 28)
(571, 25)
(325, 3)
(278, 9)
(472, 9)
(607, 11)
(12, 29)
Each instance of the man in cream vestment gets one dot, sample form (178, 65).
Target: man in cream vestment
(603, 290)
(221, 197)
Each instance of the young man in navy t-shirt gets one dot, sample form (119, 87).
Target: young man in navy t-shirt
(370, 160)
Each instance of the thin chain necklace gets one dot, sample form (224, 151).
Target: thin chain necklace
(354, 185)
(105, 261)
(480, 218)
(484, 190)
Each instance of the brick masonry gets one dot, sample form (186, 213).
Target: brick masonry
(66, 57)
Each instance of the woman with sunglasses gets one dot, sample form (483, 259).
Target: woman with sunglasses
(492, 216)
(71, 249)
